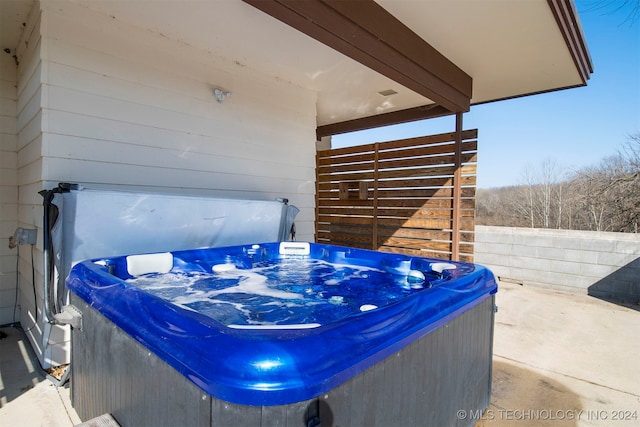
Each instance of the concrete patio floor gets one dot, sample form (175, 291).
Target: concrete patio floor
(559, 360)
(27, 397)
(563, 359)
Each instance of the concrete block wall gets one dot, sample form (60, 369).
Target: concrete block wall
(602, 264)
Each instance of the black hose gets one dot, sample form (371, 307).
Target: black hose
(51, 304)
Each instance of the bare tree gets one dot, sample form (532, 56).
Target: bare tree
(631, 150)
(630, 8)
(543, 194)
(589, 188)
(627, 185)
(610, 192)
(604, 197)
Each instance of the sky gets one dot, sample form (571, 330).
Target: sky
(574, 128)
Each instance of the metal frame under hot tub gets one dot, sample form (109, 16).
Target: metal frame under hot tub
(424, 384)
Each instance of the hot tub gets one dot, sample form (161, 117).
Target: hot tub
(287, 333)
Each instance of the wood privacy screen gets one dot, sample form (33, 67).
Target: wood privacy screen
(398, 196)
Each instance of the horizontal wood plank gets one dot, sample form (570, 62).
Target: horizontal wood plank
(415, 244)
(330, 191)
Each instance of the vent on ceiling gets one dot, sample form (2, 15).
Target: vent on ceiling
(387, 92)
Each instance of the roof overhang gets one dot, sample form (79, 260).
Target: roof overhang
(367, 33)
(523, 52)
(372, 63)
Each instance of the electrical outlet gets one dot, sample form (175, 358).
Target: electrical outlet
(23, 236)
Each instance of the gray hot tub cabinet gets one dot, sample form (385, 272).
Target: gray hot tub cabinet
(424, 384)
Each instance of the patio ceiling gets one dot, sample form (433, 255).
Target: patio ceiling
(438, 56)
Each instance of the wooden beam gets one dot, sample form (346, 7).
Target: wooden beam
(384, 119)
(389, 30)
(367, 33)
(566, 18)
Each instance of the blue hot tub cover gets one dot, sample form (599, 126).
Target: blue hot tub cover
(278, 362)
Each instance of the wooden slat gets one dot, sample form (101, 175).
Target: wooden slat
(425, 161)
(467, 213)
(415, 233)
(416, 252)
(416, 203)
(415, 223)
(469, 169)
(417, 172)
(402, 202)
(342, 168)
(426, 182)
(467, 224)
(412, 165)
(353, 176)
(430, 140)
(347, 228)
(416, 244)
(424, 234)
(467, 236)
(466, 258)
(401, 143)
(419, 193)
(355, 158)
(364, 239)
(442, 149)
(466, 248)
(344, 220)
(335, 155)
(414, 213)
(346, 210)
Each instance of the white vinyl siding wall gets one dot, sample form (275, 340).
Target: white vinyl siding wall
(8, 185)
(109, 105)
(50, 342)
(127, 107)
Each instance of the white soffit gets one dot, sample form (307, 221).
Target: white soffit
(13, 16)
(509, 48)
(239, 32)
